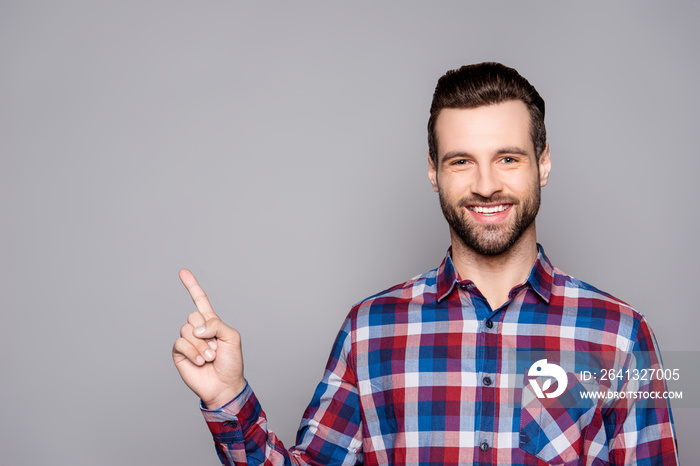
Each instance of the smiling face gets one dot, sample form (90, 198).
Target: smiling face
(487, 175)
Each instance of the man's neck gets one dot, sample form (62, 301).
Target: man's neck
(495, 276)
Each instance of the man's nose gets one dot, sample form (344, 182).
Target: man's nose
(487, 182)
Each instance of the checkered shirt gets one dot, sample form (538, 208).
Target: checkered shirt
(427, 373)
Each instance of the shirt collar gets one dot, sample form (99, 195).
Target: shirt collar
(540, 278)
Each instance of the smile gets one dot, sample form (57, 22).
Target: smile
(488, 210)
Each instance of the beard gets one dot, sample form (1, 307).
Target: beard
(491, 239)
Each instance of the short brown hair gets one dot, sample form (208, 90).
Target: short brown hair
(483, 84)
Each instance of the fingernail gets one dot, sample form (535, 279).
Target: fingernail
(209, 354)
(199, 330)
(212, 345)
(199, 360)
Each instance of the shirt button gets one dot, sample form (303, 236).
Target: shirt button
(487, 382)
(489, 323)
(464, 287)
(484, 446)
(232, 424)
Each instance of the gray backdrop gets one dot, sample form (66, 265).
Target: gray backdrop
(278, 151)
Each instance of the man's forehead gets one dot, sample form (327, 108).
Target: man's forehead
(480, 128)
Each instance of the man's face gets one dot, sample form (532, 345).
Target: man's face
(487, 174)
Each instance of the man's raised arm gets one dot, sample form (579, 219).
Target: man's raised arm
(209, 358)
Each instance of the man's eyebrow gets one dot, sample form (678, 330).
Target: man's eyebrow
(511, 150)
(454, 154)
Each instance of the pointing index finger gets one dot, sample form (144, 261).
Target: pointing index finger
(197, 293)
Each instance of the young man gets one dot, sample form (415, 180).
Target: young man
(494, 357)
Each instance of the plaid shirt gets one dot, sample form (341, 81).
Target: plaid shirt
(427, 373)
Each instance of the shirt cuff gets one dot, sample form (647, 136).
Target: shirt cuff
(229, 422)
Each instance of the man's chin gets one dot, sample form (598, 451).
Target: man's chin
(493, 246)
(491, 250)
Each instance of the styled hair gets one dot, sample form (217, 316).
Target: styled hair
(483, 84)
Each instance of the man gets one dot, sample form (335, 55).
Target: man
(483, 360)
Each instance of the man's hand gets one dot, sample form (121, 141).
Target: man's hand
(208, 353)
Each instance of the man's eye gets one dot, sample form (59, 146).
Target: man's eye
(508, 159)
(459, 162)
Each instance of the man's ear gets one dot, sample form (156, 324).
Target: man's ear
(432, 173)
(545, 166)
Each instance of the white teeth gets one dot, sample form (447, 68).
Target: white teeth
(489, 210)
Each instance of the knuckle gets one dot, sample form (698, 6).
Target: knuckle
(214, 322)
(180, 345)
(186, 329)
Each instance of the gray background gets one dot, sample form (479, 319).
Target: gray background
(278, 151)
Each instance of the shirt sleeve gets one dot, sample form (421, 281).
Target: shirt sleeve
(330, 431)
(640, 425)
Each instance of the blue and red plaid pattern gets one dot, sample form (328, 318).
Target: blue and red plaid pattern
(427, 373)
